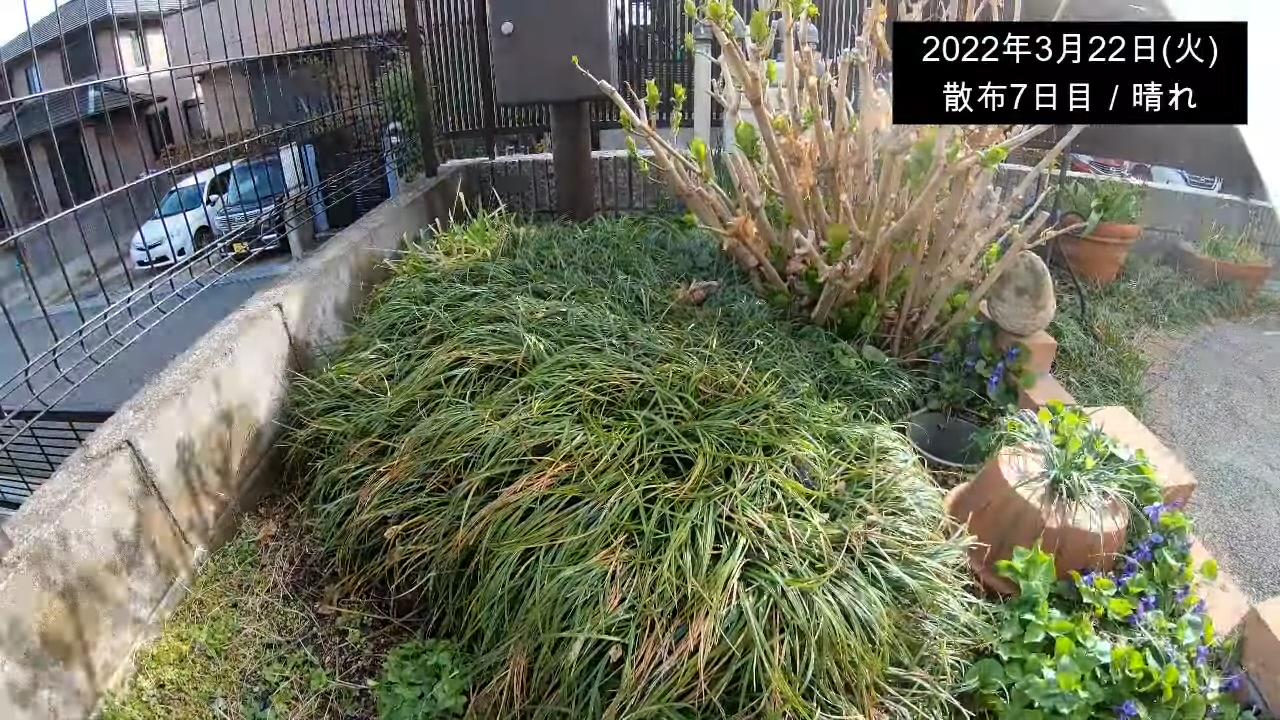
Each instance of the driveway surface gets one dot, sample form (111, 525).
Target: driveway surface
(1216, 401)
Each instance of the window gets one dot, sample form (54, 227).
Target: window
(179, 200)
(135, 47)
(259, 180)
(159, 131)
(33, 79)
(78, 52)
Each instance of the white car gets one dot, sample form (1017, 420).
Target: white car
(1178, 177)
(183, 221)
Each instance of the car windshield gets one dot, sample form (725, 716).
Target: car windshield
(256, 181)
(179, 200)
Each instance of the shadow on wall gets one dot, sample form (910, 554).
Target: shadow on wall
(107, 546)
(70, 619)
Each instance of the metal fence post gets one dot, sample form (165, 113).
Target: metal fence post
(422, 93)
(702, 82)
(488, 108)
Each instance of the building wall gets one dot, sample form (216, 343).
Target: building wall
(126, 153)
(51, 75)
(227, 103)
(152, 78)
(351, 69)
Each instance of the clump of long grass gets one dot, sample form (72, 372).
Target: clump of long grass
(1235, 247)
(627, 506)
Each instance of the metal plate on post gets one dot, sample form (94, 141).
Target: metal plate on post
(532, 44)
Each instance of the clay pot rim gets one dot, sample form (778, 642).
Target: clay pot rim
(1188, 247)
(1104, 239)
(1121, 229)
(1120, 232)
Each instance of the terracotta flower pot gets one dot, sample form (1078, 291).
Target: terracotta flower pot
(1250, 276)
(1100, 255)
(1005, 507)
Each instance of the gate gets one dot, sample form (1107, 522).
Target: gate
(338, 150)
(650, 42)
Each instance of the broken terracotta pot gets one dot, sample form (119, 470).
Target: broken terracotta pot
(1006, 506)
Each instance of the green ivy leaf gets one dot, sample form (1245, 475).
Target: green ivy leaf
(1061, 628)
(987, 673)
(1063, 646)
(1119, 608)
(1069, 680)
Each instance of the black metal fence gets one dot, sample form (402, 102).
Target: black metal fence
(651, 45)
(160, 160)
(36, 442)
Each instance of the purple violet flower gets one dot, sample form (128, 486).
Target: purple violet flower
(1231, 683)
(1154, 511)
(1012, 354)
(1198, 607)
(1087, 579)
(1156, 538)
(1180, 593)
(1143, 553)
(937, 357)
(1202, 654)
(1128, 709)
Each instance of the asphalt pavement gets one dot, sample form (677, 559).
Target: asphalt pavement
(104, 367)
(1213, 401)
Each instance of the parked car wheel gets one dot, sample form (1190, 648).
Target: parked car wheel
(202, 239)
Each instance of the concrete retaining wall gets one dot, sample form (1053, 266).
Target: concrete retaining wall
(108, 544)
(1173, 215)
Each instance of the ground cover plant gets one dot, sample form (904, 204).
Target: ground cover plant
(1236, 247)
(597, 461)
(1132, 643)
(260, 637)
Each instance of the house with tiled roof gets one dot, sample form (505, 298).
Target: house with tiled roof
(88, 102)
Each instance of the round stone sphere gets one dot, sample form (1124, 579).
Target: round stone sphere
(1021, 301)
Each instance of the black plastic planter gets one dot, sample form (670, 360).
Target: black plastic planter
(945, 440)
